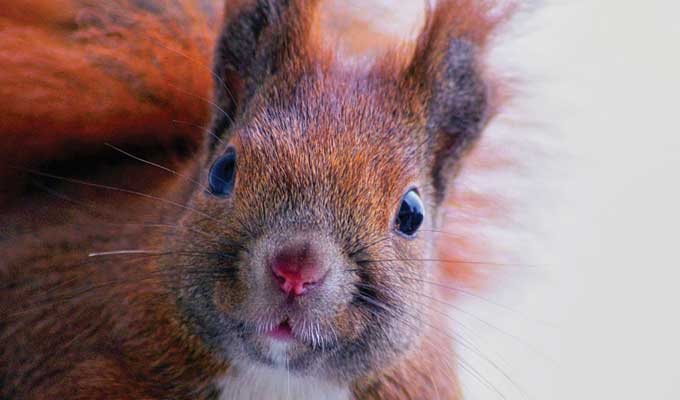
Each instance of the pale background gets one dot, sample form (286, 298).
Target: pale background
(604, 74)
(598, 318)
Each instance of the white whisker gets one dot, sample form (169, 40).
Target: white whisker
(116, 252)
(156, 165)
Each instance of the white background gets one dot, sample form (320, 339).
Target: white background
(604, 75)
(600, 318)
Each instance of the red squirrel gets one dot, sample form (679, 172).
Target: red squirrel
(284, 252)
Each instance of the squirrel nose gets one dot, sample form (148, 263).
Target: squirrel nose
(297, 269)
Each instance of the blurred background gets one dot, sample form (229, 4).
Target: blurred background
(601, 84)
(592, 312)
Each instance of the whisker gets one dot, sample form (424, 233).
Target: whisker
(199, 97)
(107, 214)
(122, 190)
(489, 301)
(206, 67)
(457, 337)
(205, 130)
(412, 275)
(455, 261)
(169, 226)
(287, 379)
(118, 252)
(212, 238)
(471, 315)
(366, 247)
(163, 45)
(70, 294)
(395, 314)
(156, 165)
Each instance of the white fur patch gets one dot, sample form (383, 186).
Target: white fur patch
(265, 383)
(254, 382)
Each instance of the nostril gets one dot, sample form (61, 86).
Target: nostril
(294, 283)
(279, 278)
(296, 271)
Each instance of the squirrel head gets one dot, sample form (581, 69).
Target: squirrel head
(308, 245)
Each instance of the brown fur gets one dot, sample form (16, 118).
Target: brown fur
(76, 74)
(123, 326)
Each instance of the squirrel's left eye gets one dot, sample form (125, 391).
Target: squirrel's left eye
(411, 214)
(222, 174)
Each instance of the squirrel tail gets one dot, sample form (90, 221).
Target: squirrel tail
(77, 73)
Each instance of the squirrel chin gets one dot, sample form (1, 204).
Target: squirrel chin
(244, 381)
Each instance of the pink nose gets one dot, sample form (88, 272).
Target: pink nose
(296, 270)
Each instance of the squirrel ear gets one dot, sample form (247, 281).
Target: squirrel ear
(260, 38)
(446, 72)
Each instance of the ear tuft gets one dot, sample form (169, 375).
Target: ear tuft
(260, 39)
(446, 70)
(459, 98)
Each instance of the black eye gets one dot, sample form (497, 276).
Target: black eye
(411, 214)
(222, 174)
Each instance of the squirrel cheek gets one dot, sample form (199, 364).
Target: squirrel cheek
(227, 295)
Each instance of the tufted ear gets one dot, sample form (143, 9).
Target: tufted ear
(260, 39)
(445, 70)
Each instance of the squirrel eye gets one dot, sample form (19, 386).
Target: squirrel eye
(222, 174)
(411, 214)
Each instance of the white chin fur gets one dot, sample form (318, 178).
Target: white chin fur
(262, 382)
(248, 381)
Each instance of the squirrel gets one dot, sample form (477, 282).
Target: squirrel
(287, 251)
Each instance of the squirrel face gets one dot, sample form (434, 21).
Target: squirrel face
(308, 247)
(309, 263)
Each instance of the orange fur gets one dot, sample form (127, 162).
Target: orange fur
(77, 74)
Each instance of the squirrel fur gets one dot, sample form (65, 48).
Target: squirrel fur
(324, 150)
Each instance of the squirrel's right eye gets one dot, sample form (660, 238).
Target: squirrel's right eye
(222, 174)
(411, 214)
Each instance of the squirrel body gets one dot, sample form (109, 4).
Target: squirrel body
(261, 259)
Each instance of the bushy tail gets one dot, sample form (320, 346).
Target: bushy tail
(75, 74)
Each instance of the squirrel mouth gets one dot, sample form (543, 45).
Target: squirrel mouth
(282, 332)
